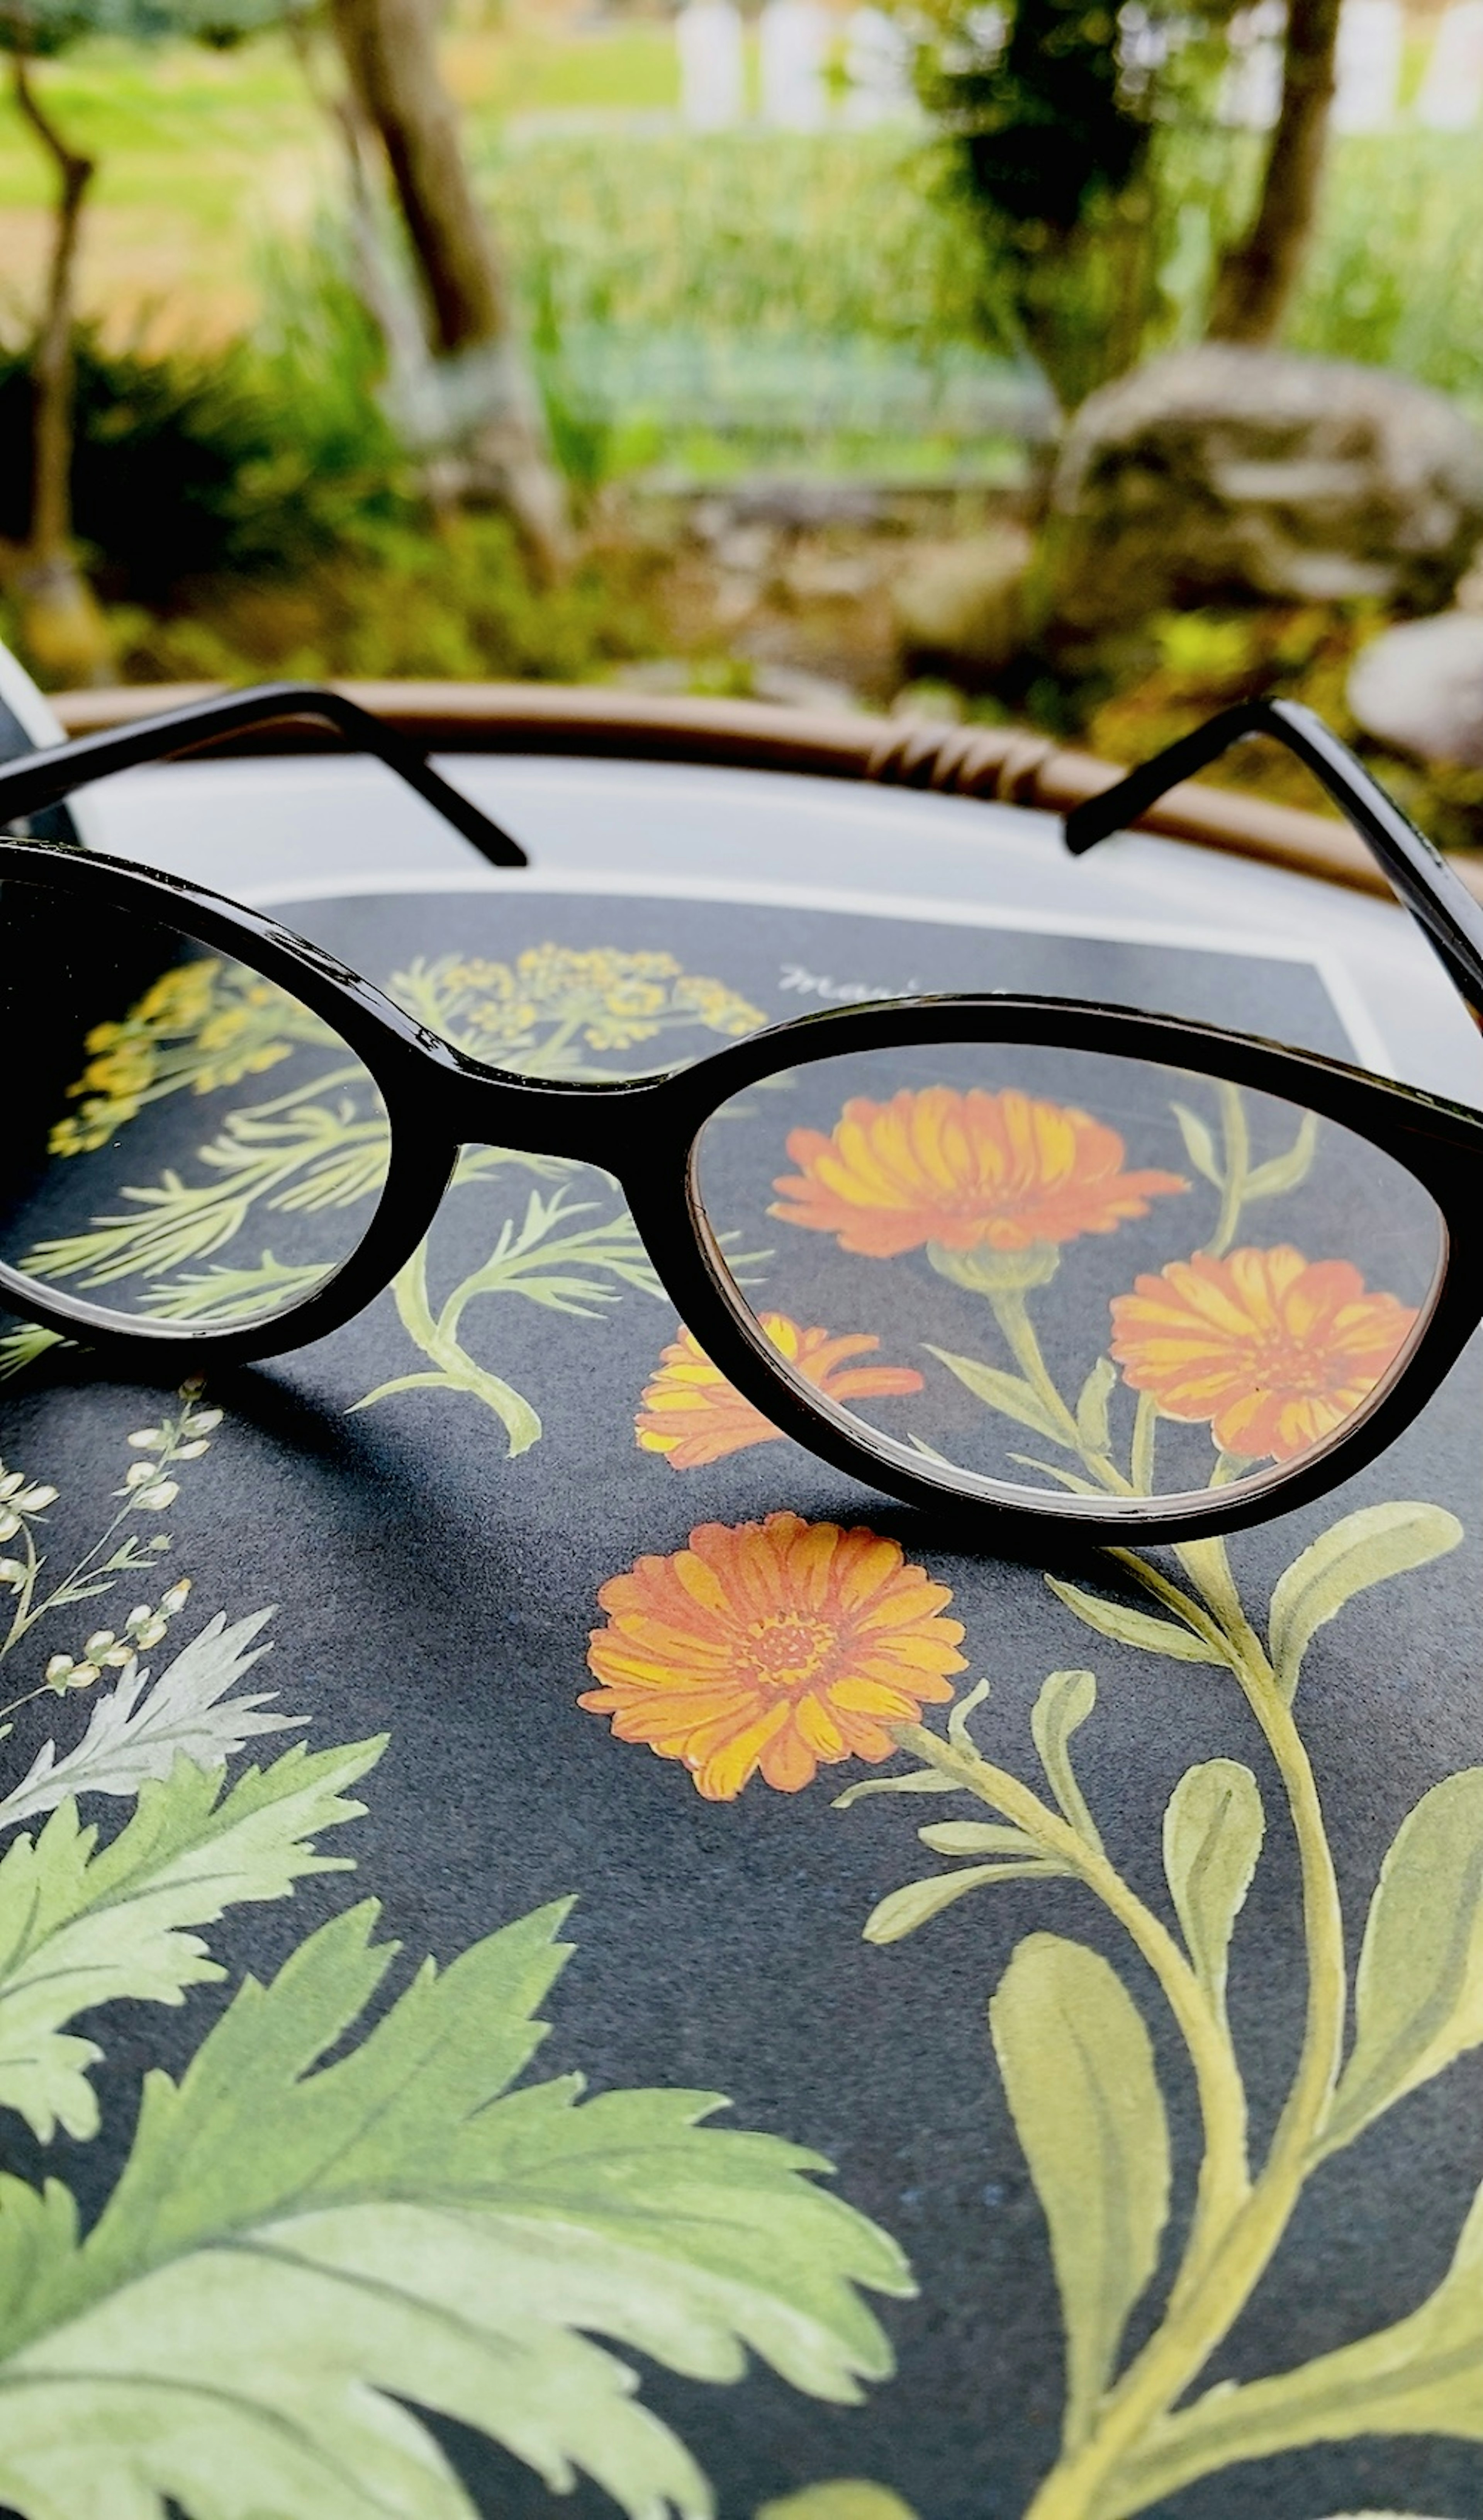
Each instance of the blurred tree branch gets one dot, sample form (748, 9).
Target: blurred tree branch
(389, 52)
(1257, 276)
(62, 624)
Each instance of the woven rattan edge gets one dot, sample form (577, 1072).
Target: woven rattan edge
(1006, 765)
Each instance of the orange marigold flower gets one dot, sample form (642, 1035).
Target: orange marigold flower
(963, 1170)
(774, 1646)
(693, 1414)
(1275, 1351)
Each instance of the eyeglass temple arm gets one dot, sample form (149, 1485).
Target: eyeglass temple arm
(45, 778)
(1417, 873)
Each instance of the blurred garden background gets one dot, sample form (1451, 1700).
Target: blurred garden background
(962, 360)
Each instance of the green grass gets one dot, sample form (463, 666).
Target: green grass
(736, 236)
(1396, 275)
(745, 234)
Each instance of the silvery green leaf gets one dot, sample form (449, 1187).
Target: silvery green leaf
(137, 1732)
(82, 1925)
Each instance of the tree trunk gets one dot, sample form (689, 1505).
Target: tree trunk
(62, 625)
(1256, 277)
(390, 58)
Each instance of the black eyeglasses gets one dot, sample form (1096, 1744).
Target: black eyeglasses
(1079, 1267)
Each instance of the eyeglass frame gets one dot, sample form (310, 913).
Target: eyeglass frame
(644, 1132)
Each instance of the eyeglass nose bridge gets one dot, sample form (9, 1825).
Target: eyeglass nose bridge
(608, 1125)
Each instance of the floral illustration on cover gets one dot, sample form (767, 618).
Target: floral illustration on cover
(337, 2221)
(314, 1154)
(269, 2195)
(772, 1649)
(1269, 1351)
(911, 1202)
(692, 1414)
(963, 1171)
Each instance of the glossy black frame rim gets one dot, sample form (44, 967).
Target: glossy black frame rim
(645, 1133)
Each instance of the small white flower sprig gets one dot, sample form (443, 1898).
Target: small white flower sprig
(147, 1487)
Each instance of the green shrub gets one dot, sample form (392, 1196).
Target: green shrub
(261, 457)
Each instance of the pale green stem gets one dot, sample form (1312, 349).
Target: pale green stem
(300, 1093)
(547, 1057)
(1208, 2301)
(1237, 1148)
(1223, 2178)
(1145, 1433)
(1012, 1315)
(21, 1618)
(456, 1369)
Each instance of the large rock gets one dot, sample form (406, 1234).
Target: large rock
(960, 605)
(1220, 471)
(1421, 687)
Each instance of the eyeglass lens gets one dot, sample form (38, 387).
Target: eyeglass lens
(1057, 1271)
(129, 1170)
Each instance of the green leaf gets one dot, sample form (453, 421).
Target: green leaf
(977, 1837)
(917, 1902)
(297, 2256)
(1199, 1144)
(1078, 2069)
(918, 1781)
(1129, 1627)
(81, 1926)
(958, 1715)
(1423, 2376)
(136, 1732)
(1092, 1407)
(1213, 1830)
(1286, 1172)
(1418, 1993)
(23, 1346)
(1361, 1550)
(1005, 1392)
(1061, 1708)
(843, 2498)
(1071, 1479)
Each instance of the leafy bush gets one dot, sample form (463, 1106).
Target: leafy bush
(1208, 659)
(260, 457)
(1395, 277)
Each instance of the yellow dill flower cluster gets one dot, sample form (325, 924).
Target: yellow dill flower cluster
(552, 994)
(205, 1024)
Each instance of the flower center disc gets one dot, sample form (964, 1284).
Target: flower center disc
(790, 1653)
